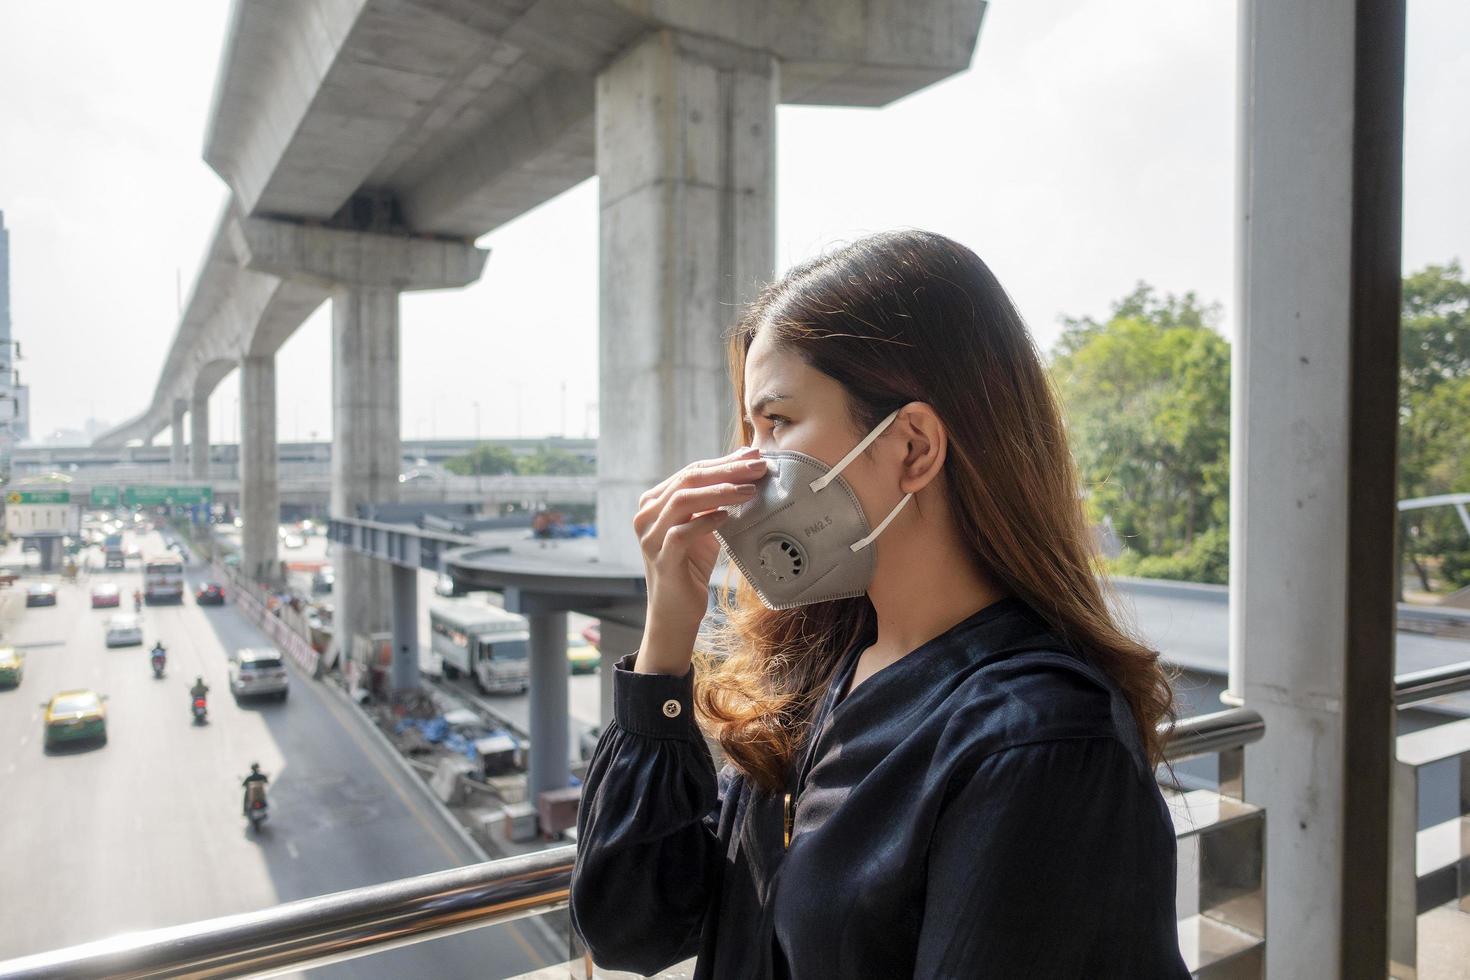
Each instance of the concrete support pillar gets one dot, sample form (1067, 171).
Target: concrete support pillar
(366, 456)
(176, 449)
(199, 438)
(1313, 428)
(365, 271)
(405, 672)
(260, 502)
(547, 767)
(617, 641)
(686, 138)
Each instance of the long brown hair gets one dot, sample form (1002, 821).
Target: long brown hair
(913, 316)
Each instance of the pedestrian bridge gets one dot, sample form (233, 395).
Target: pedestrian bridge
(367, 143)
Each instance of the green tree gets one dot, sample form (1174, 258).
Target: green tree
(1434, 418)
(546, 461)
(483, 460)
(1147, 398)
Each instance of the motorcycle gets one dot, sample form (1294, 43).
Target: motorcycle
(201, 709)
(256, 809)
(158, 661)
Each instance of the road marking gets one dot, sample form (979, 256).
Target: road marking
(291, 849)
(24, 739)
(371, 751)
(414, 807)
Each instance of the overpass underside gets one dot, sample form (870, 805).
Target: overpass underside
(368, 143)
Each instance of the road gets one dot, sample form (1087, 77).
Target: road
(146, 831)
(584, 696)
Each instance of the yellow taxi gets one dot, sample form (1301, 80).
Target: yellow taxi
(12, 665)
(72, 716)
(582, 656)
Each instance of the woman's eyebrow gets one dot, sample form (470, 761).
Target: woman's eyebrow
(764, 400)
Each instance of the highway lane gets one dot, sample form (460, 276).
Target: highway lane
(146, 831)
(584, 696)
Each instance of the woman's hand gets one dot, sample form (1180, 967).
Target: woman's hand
(675, 524)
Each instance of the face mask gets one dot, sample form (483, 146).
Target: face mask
(803, 538)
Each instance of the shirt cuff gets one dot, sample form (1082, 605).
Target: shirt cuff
(653, 705)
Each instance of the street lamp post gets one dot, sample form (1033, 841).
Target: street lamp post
(475, 453)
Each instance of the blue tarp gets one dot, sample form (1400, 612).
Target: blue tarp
(436, 731)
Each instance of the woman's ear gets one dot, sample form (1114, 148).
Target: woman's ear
(924, 444)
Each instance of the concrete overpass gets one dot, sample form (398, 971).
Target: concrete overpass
(71, 460)
(309, 488)
(367, 143)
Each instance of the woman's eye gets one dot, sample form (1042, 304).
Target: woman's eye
(777, 420)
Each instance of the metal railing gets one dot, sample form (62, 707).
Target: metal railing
(322, 930)
(1430, 867)
(1221, 849)
(341, 926)
(1423, 685)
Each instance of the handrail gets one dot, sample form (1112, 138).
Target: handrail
(322, 930)
(1422, 685)
(348, 924)
(1232, 728)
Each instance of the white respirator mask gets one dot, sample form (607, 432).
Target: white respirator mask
(803, 538)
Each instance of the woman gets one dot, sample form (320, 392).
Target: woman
(940, 746)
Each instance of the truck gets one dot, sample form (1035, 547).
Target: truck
(487, 643)
(112, 550)
(163, 580)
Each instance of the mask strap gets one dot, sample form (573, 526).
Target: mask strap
(860, 545)
(820, 484)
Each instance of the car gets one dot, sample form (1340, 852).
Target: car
(323, 580)
(72, 716)
(583, 656)
(105, 595)
(258, 671)
(210, 594)
(124, 630)
(12, 665)
(41, 594)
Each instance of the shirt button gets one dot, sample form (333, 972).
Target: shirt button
(672, 708)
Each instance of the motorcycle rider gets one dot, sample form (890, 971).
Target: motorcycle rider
(200, 689)
(137, 601)
(159, 656)
(256, 776)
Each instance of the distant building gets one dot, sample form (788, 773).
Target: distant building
(9, 407)
(4, 279)
(21, 426)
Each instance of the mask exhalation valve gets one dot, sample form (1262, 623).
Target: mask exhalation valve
(782, 557)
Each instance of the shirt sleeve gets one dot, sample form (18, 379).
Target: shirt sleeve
(647, 852)
(1044, 864)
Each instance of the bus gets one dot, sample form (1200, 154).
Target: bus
(163, 580)
(112, 551)
(485, 642)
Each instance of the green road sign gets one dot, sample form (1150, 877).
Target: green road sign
(105, 496)
(38, 497)
(146, 496)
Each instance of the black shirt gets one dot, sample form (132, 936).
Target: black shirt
(979, 808)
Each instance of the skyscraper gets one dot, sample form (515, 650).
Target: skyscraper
(9, 403)
(4, 280)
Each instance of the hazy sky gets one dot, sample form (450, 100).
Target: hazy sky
(1091, 145)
